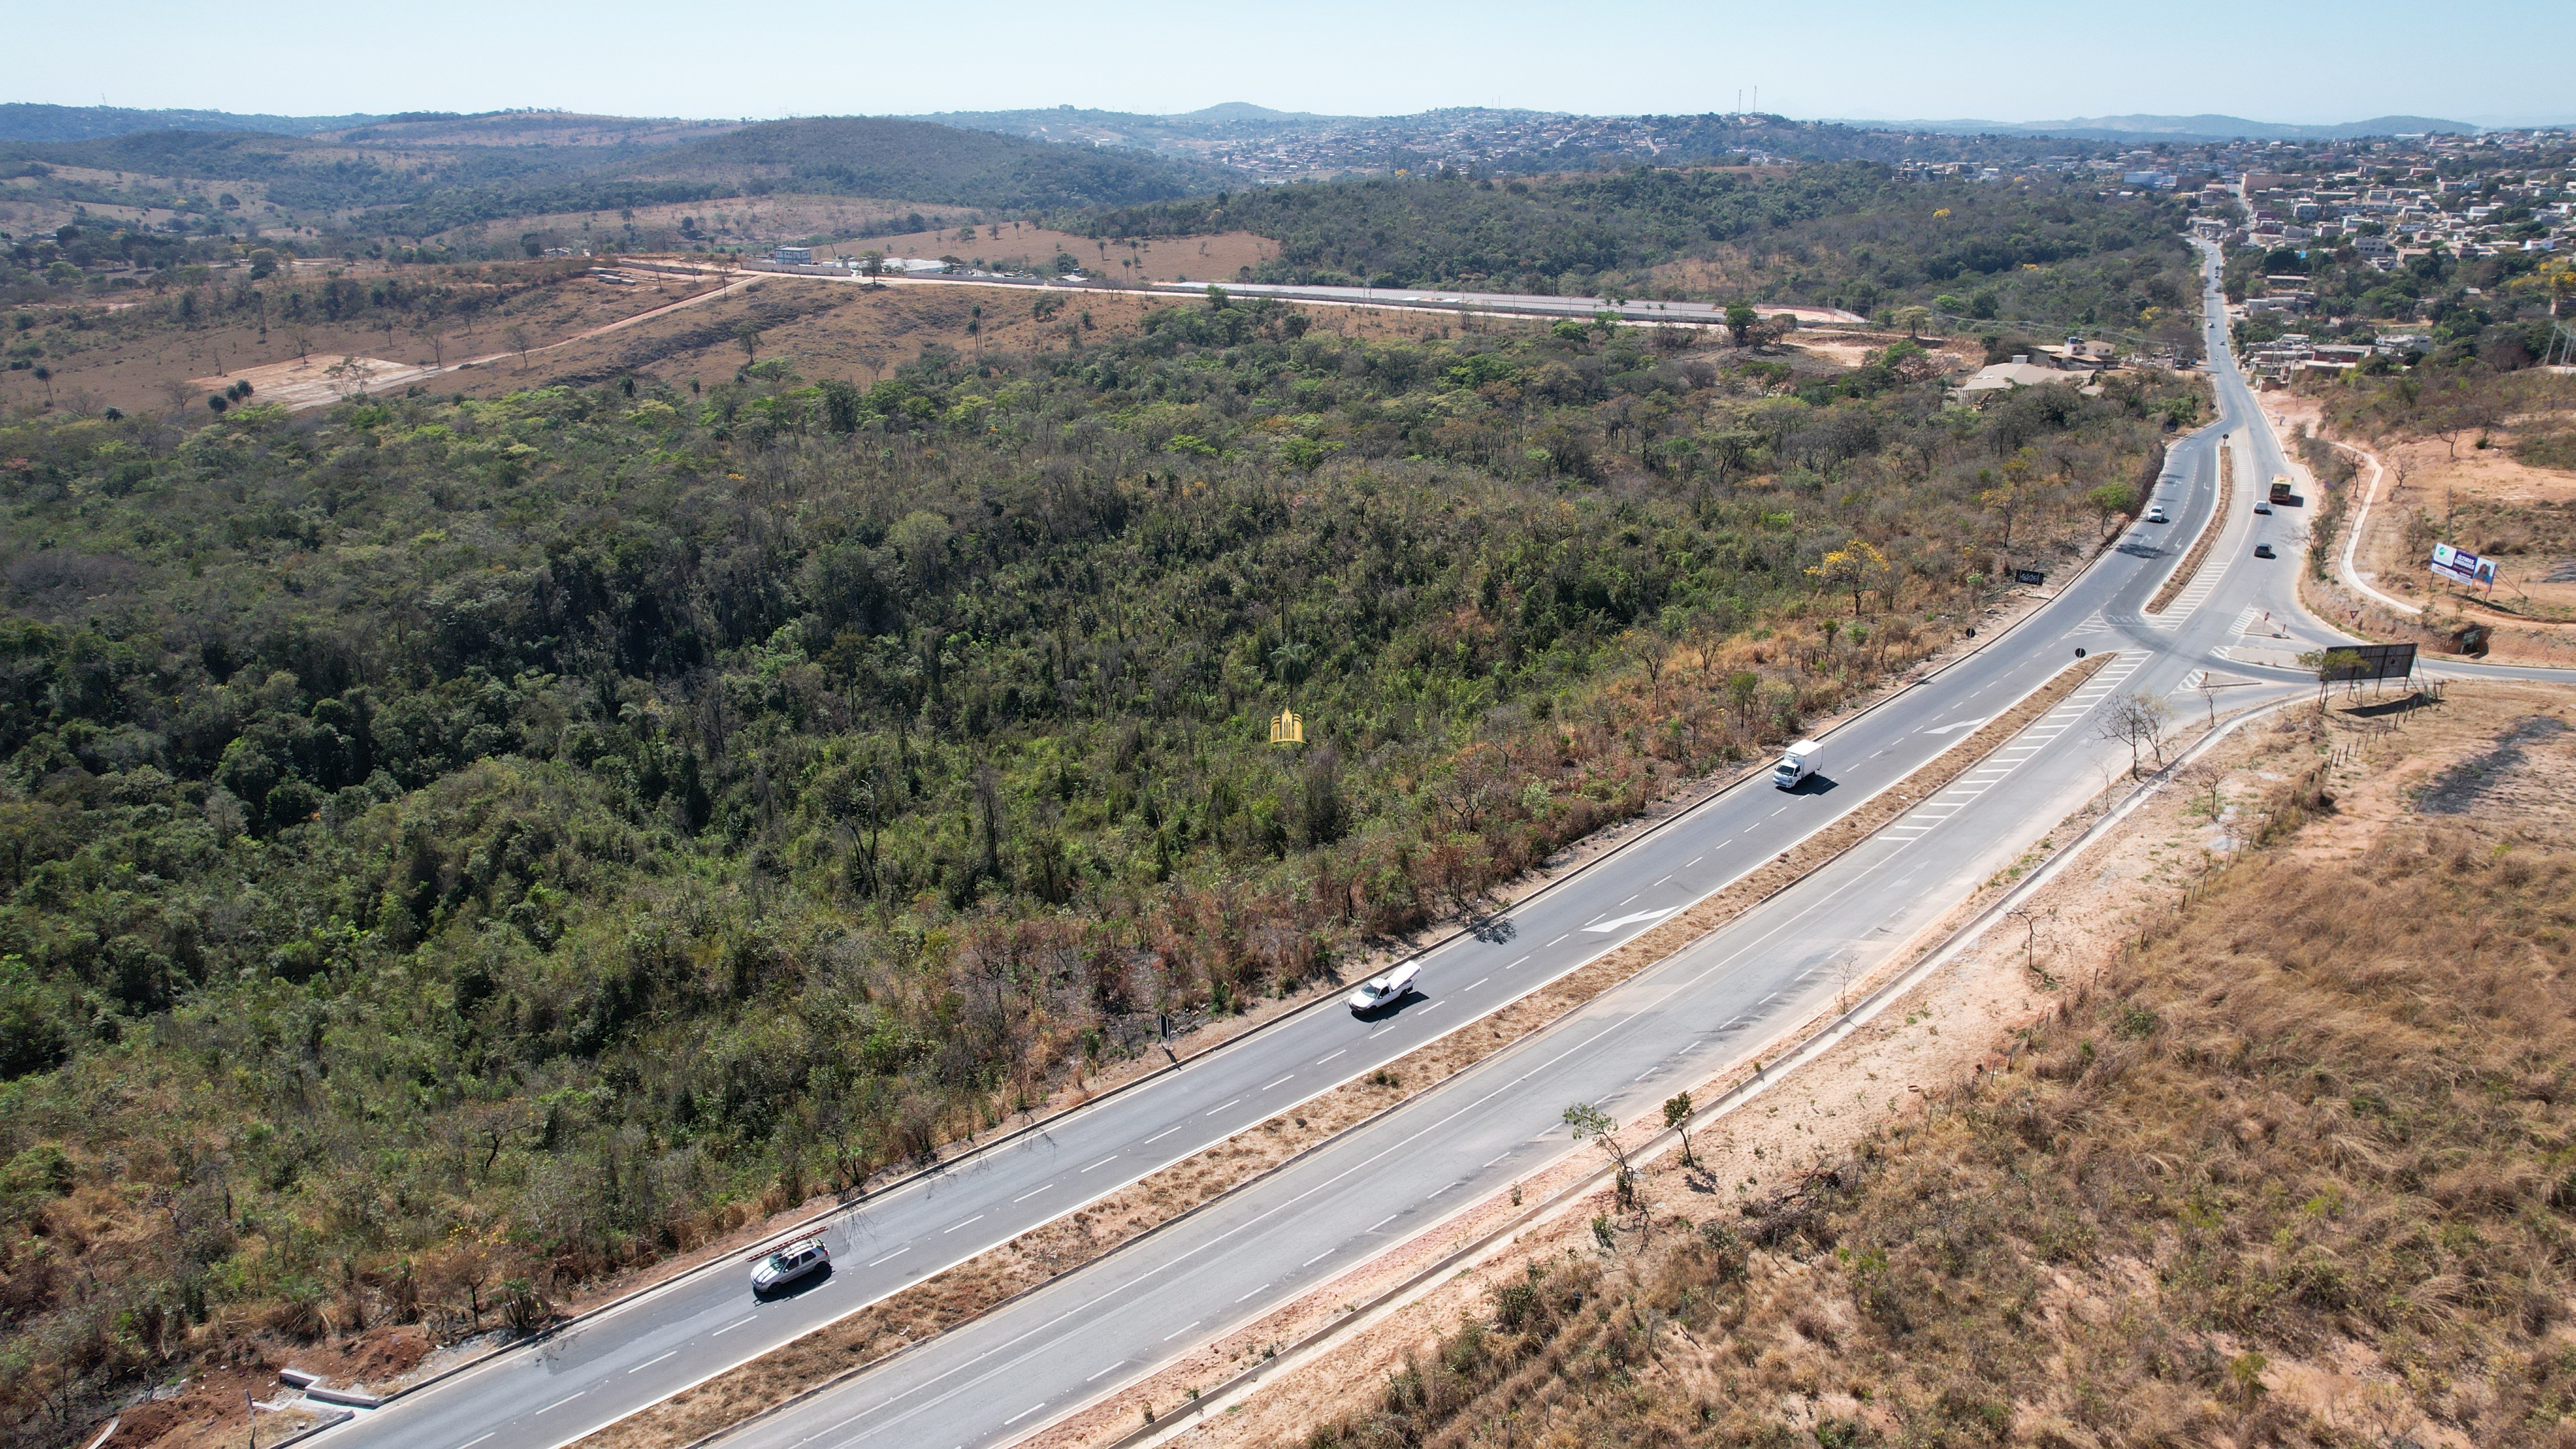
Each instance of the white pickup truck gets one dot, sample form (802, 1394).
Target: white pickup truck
(1796, 763)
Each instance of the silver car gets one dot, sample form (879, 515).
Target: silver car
(788, 1264)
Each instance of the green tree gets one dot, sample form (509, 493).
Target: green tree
(1588, 1123)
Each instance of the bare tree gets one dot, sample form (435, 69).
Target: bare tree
(1654, 651)
(2030, 920)
(2138, 721)
(2204, 777)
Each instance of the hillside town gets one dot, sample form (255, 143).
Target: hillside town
(2367, 254)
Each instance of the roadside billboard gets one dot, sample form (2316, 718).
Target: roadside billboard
(2463, 567)
(2347, 663)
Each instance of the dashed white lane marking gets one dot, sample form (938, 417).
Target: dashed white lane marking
(648, 1363)
(890, 1257)
(970, 1222)
(559, 1403)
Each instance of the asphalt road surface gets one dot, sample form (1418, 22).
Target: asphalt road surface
(1015, 1369)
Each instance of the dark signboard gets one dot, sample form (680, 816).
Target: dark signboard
(2029, 576)
(2346, 663)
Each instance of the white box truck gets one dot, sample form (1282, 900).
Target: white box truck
(1796, 763)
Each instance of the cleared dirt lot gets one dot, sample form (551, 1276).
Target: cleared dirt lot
(140, 363)
(2484, 499)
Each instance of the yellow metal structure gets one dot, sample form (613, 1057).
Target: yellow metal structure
(1287, 729)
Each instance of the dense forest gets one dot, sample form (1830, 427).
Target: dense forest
(1852, 235)
(449, 849)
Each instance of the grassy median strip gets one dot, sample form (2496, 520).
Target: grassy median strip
(2209, 533)
(949, 1298)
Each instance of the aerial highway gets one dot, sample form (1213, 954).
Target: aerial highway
(1699, 1012)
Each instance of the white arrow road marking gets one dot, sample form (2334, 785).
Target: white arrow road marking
(1631, 920)
(1952, 729)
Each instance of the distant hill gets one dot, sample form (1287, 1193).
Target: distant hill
(533, 128)
(1231, 121)
(1246, 111)
(1501, 139)
(922, 161)
(24, 121)
(160, 152)
(427, 175)
(2182, 128)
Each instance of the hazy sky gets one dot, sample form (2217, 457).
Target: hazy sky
(1867, 58)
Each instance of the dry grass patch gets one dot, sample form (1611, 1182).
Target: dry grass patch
(140, 361)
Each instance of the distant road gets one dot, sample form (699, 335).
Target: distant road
(1698, 314)
(1435, 299)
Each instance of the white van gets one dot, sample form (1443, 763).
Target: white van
(1796, 764)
